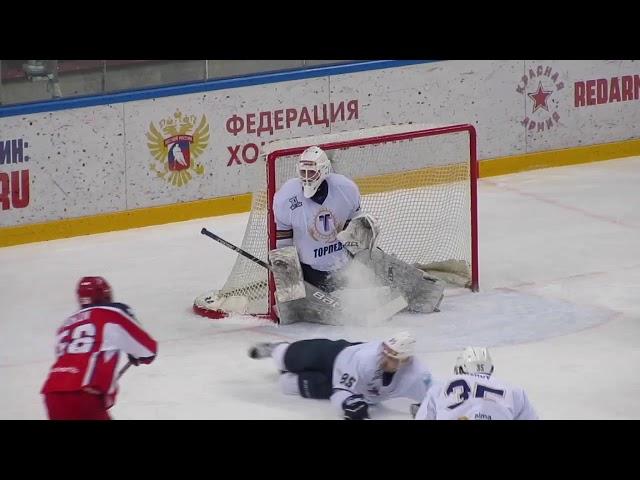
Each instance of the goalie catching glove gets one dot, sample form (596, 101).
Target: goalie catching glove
(361, 234)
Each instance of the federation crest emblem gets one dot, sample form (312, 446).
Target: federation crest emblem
(177, 147)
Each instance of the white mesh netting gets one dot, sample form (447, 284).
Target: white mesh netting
(417, 187)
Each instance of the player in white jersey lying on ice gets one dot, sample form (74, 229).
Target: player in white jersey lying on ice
(353, 375)
(473, 393)
(319, 229)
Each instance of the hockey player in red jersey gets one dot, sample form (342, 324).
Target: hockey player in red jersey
(92, 345)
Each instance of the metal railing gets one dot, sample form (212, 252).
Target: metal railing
(23, 81)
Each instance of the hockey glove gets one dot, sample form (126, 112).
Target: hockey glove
(138, 361)
(355, 408)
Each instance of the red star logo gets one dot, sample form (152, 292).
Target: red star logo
(540, 98)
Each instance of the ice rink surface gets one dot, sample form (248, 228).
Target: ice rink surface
(558, 305)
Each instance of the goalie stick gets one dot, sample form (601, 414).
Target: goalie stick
(212, 235)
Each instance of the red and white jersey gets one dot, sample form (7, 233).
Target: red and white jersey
(92, 345)
(475, 397)
(313, 228)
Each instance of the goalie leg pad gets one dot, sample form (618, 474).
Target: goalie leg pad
(316, 307)
(287, 274)
(320, 307)
(423, 293)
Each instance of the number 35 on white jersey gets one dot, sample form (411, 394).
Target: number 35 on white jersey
(475, 397)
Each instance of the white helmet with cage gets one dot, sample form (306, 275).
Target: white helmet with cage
(313, 168)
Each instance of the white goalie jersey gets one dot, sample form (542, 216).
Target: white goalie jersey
(475, 397)
(356, 370)
(312, 227)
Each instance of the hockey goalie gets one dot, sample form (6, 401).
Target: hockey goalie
(327, 267)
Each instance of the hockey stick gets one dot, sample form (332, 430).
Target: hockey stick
(209, 234)
(124, 369)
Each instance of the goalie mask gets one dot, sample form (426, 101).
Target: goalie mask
(313, 168)
(474, 360)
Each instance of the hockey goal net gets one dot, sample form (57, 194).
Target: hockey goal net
(419, 181)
